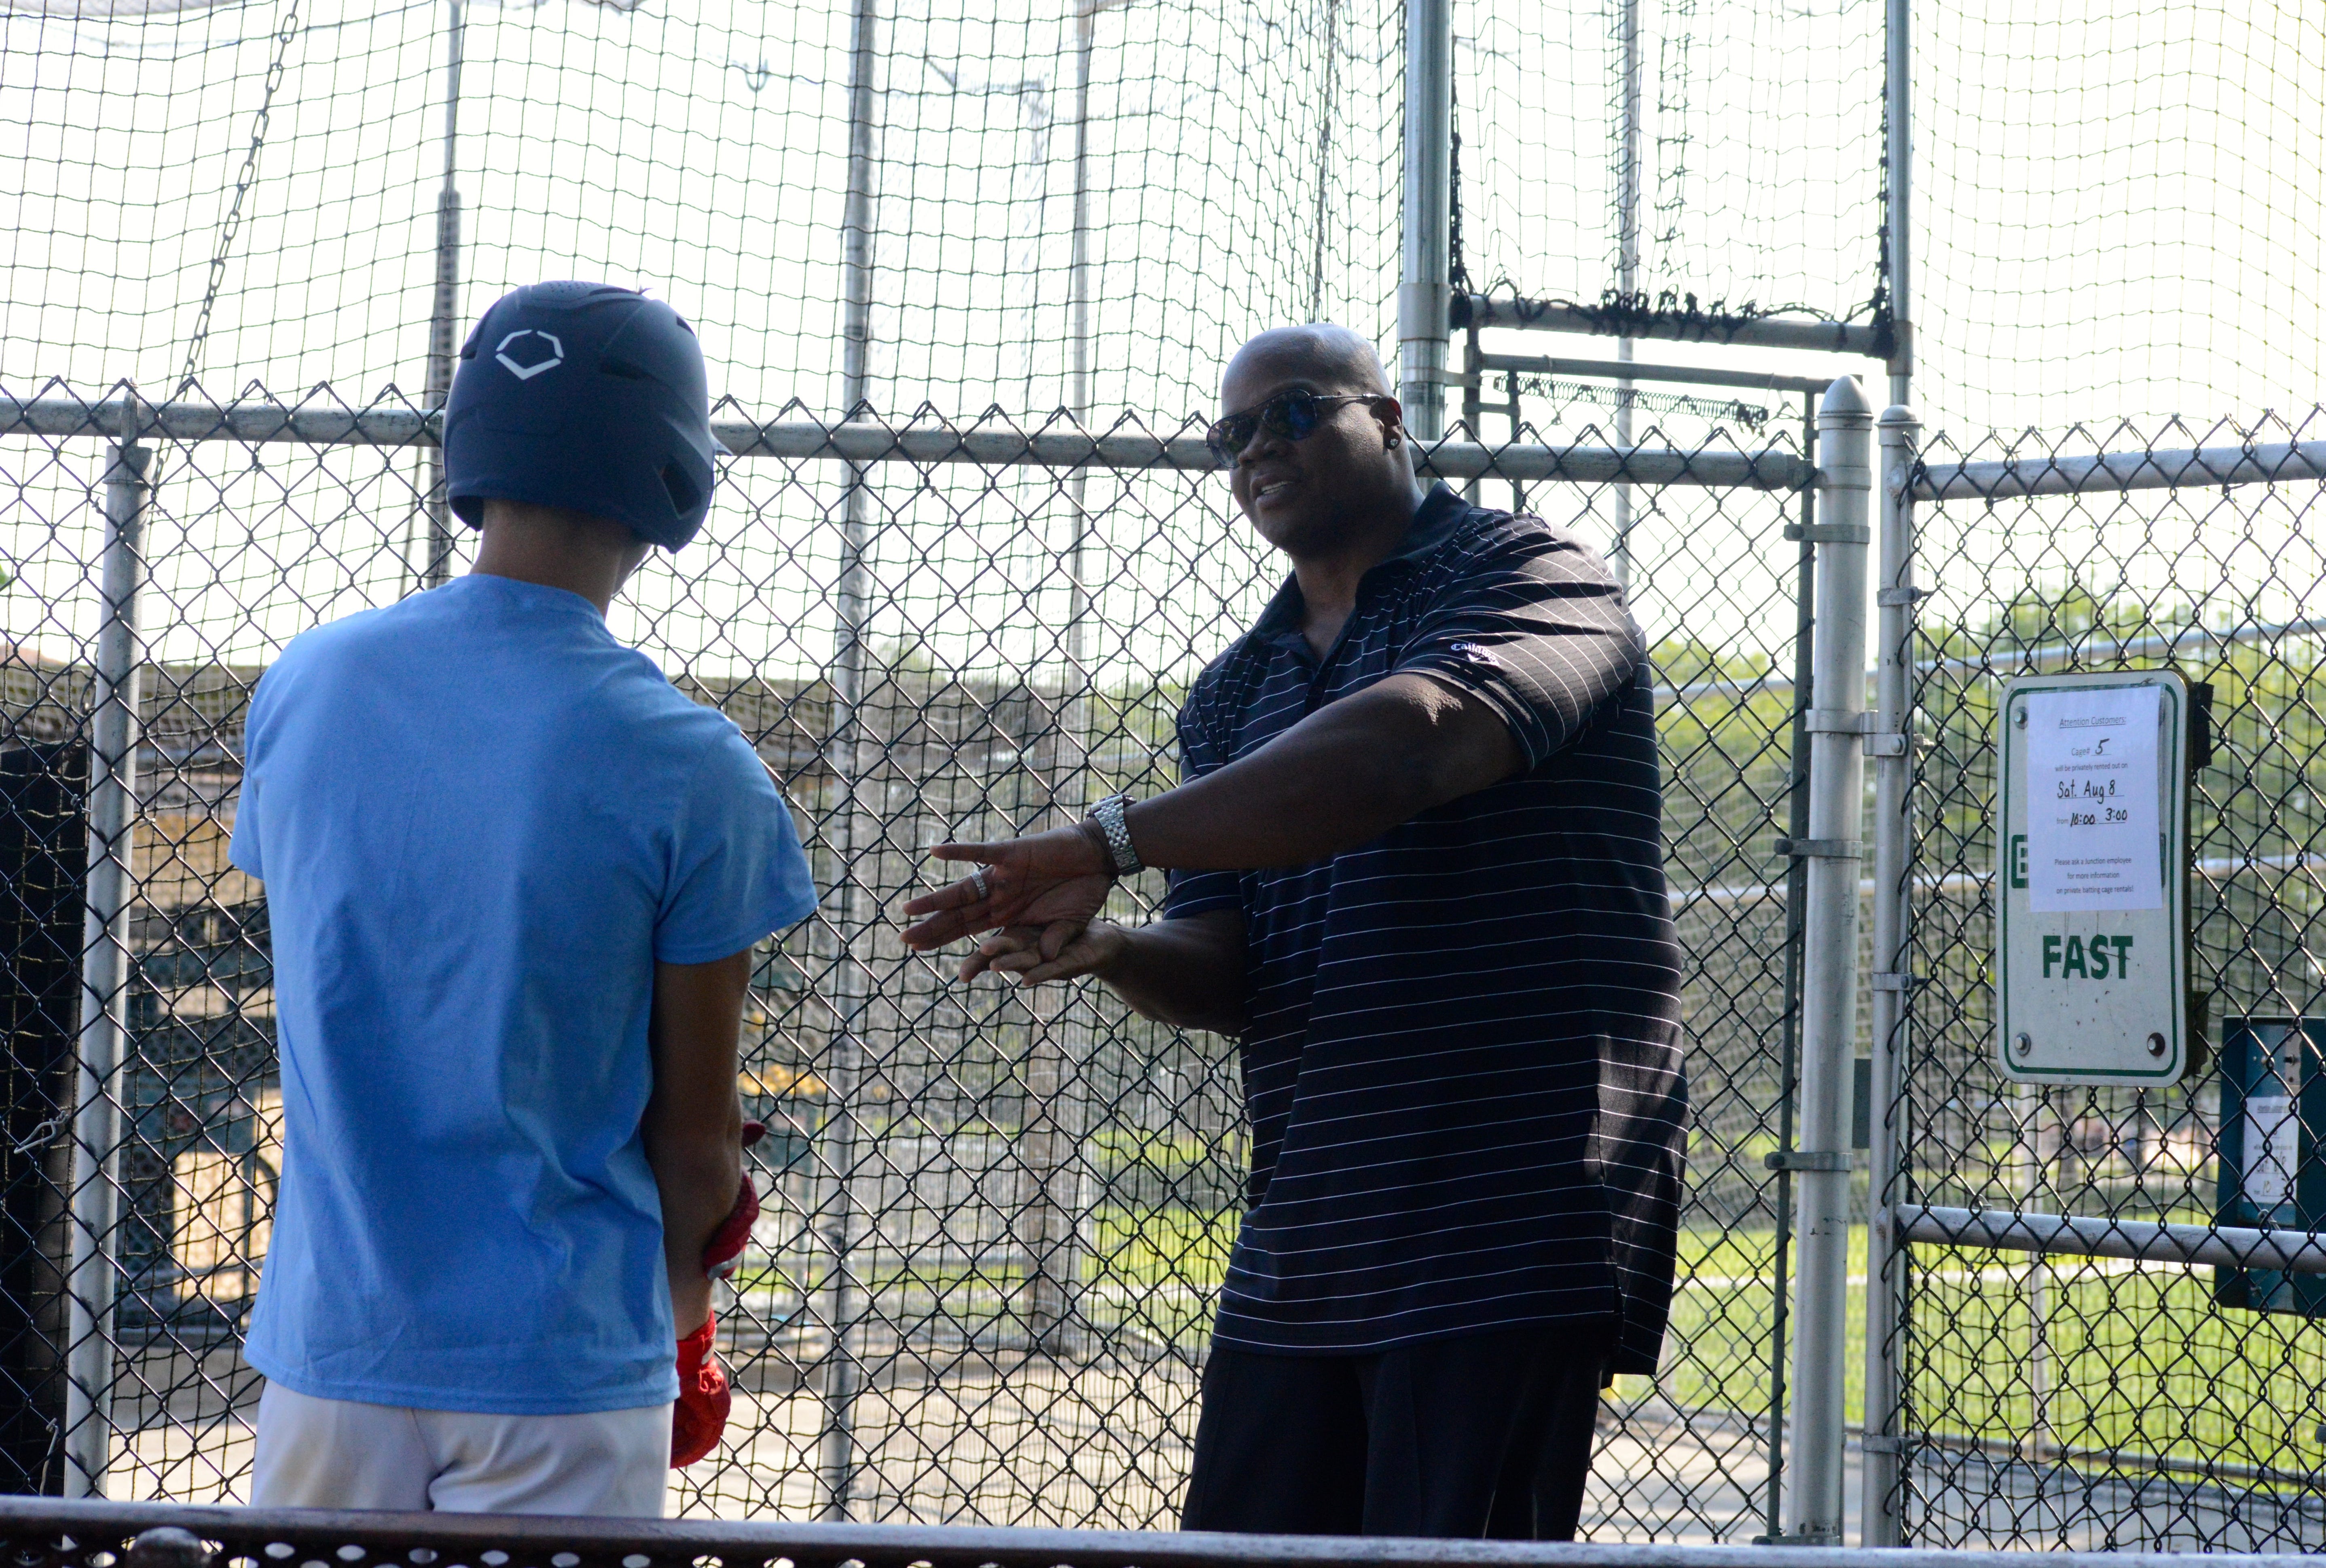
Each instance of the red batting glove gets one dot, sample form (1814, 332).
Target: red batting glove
(704, 1398)
(703, 1395)
(725, 1248)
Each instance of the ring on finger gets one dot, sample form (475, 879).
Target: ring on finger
(983, 888)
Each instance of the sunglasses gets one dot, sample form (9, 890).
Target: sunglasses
(1293, 416)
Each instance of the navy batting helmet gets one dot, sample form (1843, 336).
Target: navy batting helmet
(585, 396)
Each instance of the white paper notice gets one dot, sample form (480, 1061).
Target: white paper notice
(2092, 823)
(2272, 1151)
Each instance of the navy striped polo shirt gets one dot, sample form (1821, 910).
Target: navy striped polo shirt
(1463, 1059)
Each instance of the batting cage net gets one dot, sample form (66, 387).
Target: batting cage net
(225, 194)
(981, 1286)
(2108, 218)
(1016, 244)
(1617, 160)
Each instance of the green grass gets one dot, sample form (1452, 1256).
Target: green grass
(2142, 1359)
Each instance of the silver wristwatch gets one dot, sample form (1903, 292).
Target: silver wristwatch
(1108, 815)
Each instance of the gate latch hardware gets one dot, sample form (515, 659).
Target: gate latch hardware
(1820, 849)
(1834, 721)
(1807, 1160)
(1830, 532)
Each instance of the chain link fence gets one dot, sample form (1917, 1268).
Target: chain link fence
(981, 1286)
(2114, 1402)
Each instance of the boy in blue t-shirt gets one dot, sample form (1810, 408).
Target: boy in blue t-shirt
(514, 880)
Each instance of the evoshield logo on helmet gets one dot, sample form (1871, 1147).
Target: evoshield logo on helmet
(524, 372)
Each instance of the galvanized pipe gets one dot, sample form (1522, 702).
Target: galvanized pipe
(2256, 463)
(866, 441)
(1830, 964)
(1797, 826)
(442, 335)
(1898, 152)
(112, 815)
(2146, 1240)
(1629, 139)
(32, 1524)
(1880, 1523)
(858, 833)
(1425, 294)
(1051, 1131)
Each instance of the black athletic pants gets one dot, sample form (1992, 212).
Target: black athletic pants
(1480, 1435)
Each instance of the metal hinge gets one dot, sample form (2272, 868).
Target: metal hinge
(1834, 721)
(1830, 532)
(1895, 598)
(1885, 1445)
(1889, 743)
(1822, 848)
(1807, 1160)
(1890, 980)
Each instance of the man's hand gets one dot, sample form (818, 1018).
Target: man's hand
(1054, 882)
(1033, 955)
(1187, 971)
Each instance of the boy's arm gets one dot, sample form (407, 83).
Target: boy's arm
(693, 1126)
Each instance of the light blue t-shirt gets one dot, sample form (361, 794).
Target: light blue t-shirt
(481, 819)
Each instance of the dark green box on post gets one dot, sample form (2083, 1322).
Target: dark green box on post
(2272, 1157)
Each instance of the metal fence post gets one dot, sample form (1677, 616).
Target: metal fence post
(105, 973)
(850, 972)
(1628, 262)
(1425, 294)
(1830, 961)
(1891, 745)
(1898, 165)
(443, 343)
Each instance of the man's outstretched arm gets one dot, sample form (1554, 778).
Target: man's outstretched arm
(1348, 773)
(694, 1126)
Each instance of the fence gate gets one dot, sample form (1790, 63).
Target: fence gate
(2098, 1386)
(982, 1288)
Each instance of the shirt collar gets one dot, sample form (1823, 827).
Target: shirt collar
(1434, 522)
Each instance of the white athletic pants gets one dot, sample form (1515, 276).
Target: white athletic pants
(335, 1454)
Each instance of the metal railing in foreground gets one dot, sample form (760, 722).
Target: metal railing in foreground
(45, 1533)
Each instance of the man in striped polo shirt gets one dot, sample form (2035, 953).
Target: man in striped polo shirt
(1416, 868)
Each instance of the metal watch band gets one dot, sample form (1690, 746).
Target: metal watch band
(1108, 815)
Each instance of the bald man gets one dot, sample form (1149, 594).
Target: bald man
(1416, 869)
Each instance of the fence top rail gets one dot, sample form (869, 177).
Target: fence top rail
(2275, 462)
(2080, 1236)
(51, 1533)
(865, 441)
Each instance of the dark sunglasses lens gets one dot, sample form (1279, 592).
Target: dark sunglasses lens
(1294, 416)
(1230, 436)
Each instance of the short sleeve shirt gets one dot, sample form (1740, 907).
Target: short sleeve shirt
(480, 820)
(1463, 1063)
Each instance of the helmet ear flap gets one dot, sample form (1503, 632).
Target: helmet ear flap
(684, 498)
